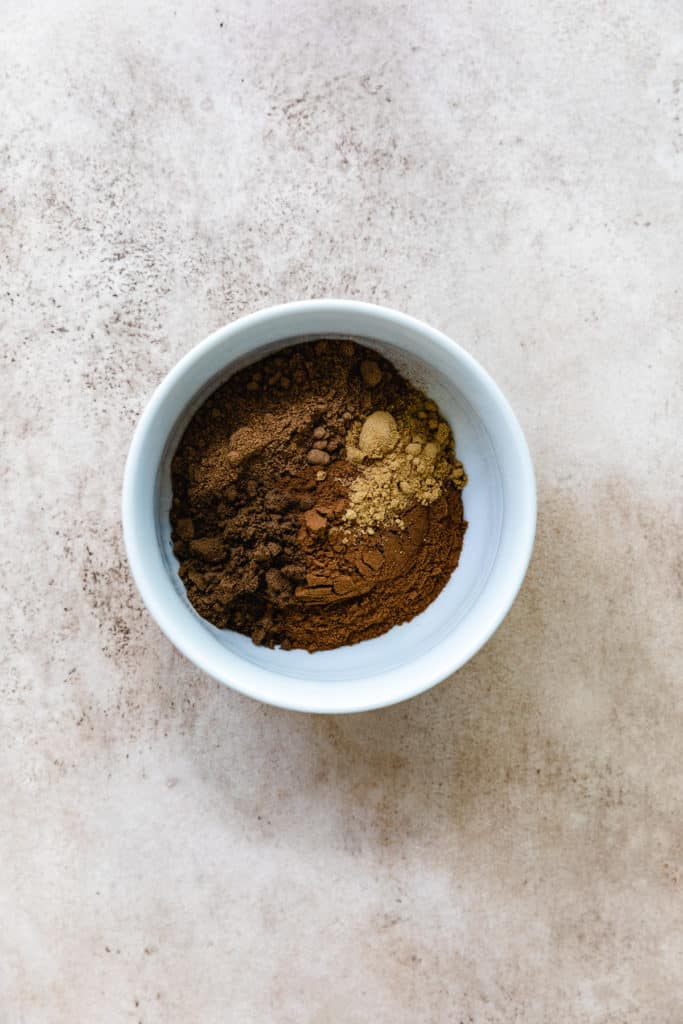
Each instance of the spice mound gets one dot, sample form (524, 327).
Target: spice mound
(316, 499)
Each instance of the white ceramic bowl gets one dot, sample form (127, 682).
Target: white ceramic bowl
(499, 500)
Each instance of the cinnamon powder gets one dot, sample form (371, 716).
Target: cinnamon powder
(262, 490)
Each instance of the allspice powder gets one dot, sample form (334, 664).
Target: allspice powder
(316, 499)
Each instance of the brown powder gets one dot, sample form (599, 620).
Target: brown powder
(262, 487)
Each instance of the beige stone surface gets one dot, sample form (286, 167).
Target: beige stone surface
(509, 846)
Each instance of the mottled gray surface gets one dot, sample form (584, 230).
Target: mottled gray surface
(508, 847)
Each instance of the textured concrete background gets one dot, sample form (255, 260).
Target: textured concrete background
(508, 847)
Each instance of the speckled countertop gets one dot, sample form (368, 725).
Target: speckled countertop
(509, 846)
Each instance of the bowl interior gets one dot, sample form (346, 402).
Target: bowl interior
(483, 503)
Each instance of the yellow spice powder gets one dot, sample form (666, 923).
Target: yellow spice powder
(403, 462)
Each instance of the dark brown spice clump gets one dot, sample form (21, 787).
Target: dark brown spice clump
(260, 496)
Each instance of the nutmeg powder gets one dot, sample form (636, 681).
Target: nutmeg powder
(262, 488)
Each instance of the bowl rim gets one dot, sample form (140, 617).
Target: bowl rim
(130, 506)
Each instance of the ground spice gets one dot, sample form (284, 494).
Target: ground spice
(264, 498)
(403, 463)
